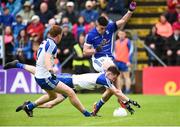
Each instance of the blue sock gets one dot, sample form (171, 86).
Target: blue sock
(99, 104)
(20, 65)
(31, 106)
(86, 113)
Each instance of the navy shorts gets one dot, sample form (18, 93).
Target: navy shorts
(47, 83)
(121, 66)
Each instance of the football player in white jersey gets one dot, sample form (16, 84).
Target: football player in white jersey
(81, 81)
(44, 75)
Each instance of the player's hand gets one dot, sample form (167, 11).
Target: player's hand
(132, 6)
(128, 107)
(52, 74)
(99, 48)
(135, 103)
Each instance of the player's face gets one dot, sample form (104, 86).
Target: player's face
(101, 29)
(112, 77)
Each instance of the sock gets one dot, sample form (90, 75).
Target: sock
(86, 113)
(31, 106)
(99, 104)
(20, 65)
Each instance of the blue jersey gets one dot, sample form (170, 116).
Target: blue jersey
(94, 39)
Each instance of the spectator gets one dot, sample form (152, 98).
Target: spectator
(172, 48)
(89, 14)
(61, 5)
(14, 6)
(65, 20)
(164, 28)
(70, 12)
(151, 41)
(80, 27)
(18, 25)
(66, 46)
(123, 58)
(3, 5)
(164, 31)
(44, 13)
(172, 17)
(51, 5)
(6, 19)
(91, 25)
(80, 63)
(172, 4)
(35, 29)
(26, 12)
(23, 47)
(9, 42)
(177, 23)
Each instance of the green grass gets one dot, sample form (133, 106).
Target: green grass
(156, 110)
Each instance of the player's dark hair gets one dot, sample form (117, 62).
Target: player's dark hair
(55, 31)
(113, 70)
(102, 21)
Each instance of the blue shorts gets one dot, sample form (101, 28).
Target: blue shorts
(121, 66)
(47, 83)
(66, 79)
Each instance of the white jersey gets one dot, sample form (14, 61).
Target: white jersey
(50, 47)
(91, 81)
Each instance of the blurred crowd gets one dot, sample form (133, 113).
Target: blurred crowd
(164, 38)
(27, 22)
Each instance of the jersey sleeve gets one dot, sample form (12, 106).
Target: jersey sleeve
(88, 39)
(112, 27)
(50, 48)
(102, 80)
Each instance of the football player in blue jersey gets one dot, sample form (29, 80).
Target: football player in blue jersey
(99, 45)
(81, 81)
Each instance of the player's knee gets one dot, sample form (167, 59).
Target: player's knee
(52, 97)
(70, 93)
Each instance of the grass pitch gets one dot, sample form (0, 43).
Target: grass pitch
(155, 111)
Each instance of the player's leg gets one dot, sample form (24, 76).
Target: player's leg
(13, 64)
(105, 97)
(51, 95)
(17, 64)
(60, 98)
(62, 88)
(127, 82)
(30, 68)
(28, 107)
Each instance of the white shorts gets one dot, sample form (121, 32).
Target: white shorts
(101, 64)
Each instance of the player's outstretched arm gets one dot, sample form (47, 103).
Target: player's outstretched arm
(121, 23)
(119, 94)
